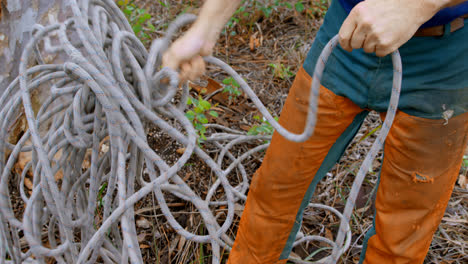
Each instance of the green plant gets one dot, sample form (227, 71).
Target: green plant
(235, 19)
(267, 7)
(263, 128)
(281, 71)
(232, 87)
(318, 8)
(139, 19)
(465, 163)
(198, 115)
(299, 6)
(101, 195)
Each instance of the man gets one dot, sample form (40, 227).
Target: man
(423, 151)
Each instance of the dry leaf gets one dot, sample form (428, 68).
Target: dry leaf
(245, 127)
(23, 159)
(255, 42)
(187, 176)
(141, 237)
(28, 183)
(59, 175)
(238, 209)
(463, 181)
(181, 244)
(173, 245)
(328, 234)
(210, 87)
(143, 246)
(294, 255)
(180, 151)
(143, 223)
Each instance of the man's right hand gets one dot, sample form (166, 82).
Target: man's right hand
(186, 53)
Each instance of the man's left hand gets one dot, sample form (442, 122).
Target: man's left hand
(382, 26)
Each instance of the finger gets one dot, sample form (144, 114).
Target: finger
(370, 45)
(171, 61)
(346, 32)
(185, 69)
(198, 67)
(381, 52)
(358, 38)
(190, 72)
(384, 50)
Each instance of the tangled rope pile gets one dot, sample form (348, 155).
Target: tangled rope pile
(108, 91)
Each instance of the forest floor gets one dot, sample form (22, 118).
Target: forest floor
(266, 43)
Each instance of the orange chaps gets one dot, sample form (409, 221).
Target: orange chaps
(422, 159)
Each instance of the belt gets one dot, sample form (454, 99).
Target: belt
(438, 31)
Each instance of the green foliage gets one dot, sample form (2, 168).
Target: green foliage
(235, 19)
(465, 163)
(263, 128)
(139, 19)
(101, 195)
(231, 87)
(163, 3)
(318, 8)
(281, 71)
(299, 6)
(198, 115)
(267, 8)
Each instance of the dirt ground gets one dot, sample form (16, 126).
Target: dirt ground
(251, 46)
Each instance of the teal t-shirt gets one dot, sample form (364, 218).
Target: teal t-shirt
(435, 71)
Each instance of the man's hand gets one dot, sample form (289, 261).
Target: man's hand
(382, 26)
(185, 54)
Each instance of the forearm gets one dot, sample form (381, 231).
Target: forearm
(449, 3)
(215, 14)
(435, 6)
(426, 9)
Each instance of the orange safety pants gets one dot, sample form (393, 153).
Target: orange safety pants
(422, 159)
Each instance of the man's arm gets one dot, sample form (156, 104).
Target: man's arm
(382, 26)
(185, 53)
(450, 3)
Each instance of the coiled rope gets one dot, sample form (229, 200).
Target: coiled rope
(108, 91)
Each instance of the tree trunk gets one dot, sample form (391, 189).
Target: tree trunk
(17, 18)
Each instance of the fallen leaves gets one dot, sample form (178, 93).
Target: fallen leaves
(463, 181)
(143, 223)
(141, 240)
(180, 151)
(255, 41)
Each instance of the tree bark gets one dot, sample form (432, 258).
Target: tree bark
(17, 18)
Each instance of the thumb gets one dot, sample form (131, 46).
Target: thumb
(346, 32)
(183, 49)
(170, 60)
